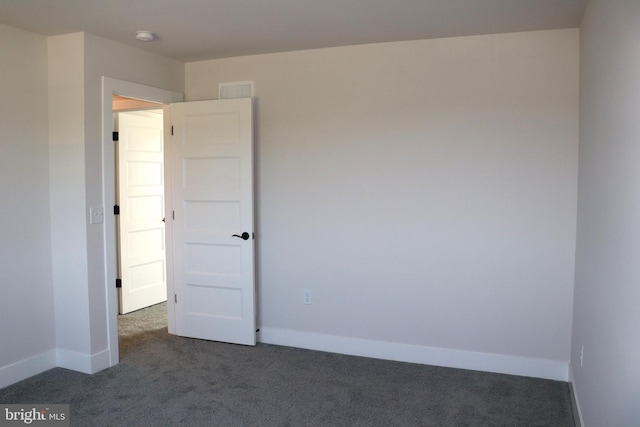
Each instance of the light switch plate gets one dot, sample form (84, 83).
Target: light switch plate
(96, 215)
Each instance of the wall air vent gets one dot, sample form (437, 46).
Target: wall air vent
(235, 90)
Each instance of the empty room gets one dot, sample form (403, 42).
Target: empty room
(365, 212)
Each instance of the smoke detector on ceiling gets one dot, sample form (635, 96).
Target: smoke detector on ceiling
(145, 36)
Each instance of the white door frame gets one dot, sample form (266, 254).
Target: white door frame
(112, 87)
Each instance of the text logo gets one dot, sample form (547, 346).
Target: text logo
(34, 415)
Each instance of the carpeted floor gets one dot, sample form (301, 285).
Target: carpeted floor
(164, 380)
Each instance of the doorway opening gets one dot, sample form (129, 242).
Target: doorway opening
(129, 92)
(140, 223)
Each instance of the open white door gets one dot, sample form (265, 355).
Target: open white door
(212, 224)
(141, 239)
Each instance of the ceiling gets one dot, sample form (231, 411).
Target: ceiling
(190, 30)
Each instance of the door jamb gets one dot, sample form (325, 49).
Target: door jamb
(112, 87)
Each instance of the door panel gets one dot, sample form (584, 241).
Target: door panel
(141, 239)
(212, 193)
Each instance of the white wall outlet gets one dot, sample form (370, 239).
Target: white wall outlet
(306, 296)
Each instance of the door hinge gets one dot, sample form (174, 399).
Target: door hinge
(175, 298)
(118, 283)
(116, 210)
(171, 130)
(115, 136)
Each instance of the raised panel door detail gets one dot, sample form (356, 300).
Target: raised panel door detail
(216, 302)
(145, 207)
(215, 260)
(206, 176)
(143, 173)
(143, 140)
(140, 242)
(212, 216)
(147, 275)
(212, 129)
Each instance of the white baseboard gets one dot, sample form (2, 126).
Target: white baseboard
(100, 361)
(575, 403)
(488, 362)
(26, 368)
(23, 369)
(81, 362)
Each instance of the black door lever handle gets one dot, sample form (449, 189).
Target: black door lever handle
(244, 236)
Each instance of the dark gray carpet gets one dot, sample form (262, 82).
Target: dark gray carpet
(163, 380)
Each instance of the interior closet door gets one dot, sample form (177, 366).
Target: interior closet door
(212, 220)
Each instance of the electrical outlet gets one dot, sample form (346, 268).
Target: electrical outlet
(581, 355)
(306, 296)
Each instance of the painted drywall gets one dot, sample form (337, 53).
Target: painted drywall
(27, 330)
(424, 192)
(68, 199)
(76, 138)
(606, 315)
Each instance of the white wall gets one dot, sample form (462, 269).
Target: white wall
(68, 199)
(425, 192)
(27, 333)
(607, 291)
(78, 62)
